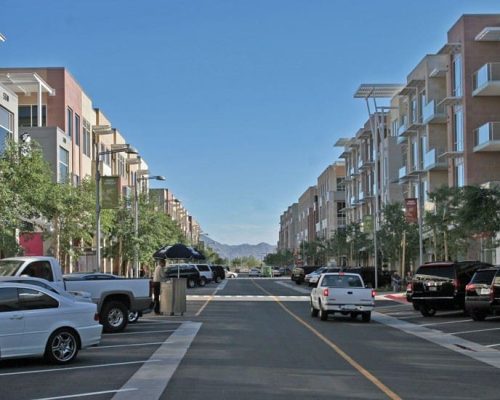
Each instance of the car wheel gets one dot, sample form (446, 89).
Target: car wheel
(62, 346)
(354, 315)
(314, 311)
(203, 281)
(218, 279)
(416, 307)
(323, 315)
(114, 317)
(478, 315)
(427, 311)
(366, 316)
(133, 316)
(191, 283)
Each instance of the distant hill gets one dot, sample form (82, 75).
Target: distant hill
(230, 252)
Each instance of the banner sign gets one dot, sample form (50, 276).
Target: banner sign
(110, 191)
(411, 210)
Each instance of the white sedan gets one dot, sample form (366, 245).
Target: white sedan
(254, 272)
(35, 321)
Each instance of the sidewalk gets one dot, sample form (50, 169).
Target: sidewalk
(394, 296)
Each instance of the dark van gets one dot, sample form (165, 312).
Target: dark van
(482, 294)
(441, 285)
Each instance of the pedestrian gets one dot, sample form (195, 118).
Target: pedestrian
(396, 282)
(408, 277)
(157, 279)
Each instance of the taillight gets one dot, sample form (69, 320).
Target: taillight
(325, 292)
(374, 293)
(409, 287)
(455, 283)
(96, 317)
(470, 287)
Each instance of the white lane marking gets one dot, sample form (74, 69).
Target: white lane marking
(124, 345)
(71, 396)
(149, 321)
(143, 332)
(493, 345)
(477, 330)
(41, 371)
(151, 380)
(249, 298)
(295, 287)
(448, 322)
(220, 287)
(459, 345)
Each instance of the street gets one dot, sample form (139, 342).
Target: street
(255, 339)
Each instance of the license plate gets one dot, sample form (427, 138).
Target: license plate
(484, 291)
(433, 289)
(348, 308)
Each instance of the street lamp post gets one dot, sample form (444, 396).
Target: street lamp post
(139, 178)
(125, 148)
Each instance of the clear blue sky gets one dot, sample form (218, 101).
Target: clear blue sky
(237, 102)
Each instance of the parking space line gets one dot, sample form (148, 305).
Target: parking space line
(447, 322)
(72, 396)
(125, 345)
(142, 332)
(151, 380)
(474, 331)
(41, 371)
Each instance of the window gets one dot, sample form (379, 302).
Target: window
(28, 116)
(8, 300)
(342, 281)
(63, 164)
(39, 269)
(30, 299)
(457, 75)
(77, 129)
(459, 172)
(6, 126)
(413, 109)
(69, 122)
(340, 184)
(86, 138)
(458, 129)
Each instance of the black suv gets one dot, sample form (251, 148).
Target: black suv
(441, 285)
(299, 273)
(187, 271)
(218, 272)
(482, 294)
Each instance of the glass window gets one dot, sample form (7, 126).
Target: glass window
(459, 173)
(77, 129)
(486, 276)
(8, 300)
(435, 272)
(86, 138)
(342, 281)
(203, 268)
(457, 75)
(458, 130)
(39, 269)
(341, 184)
(63, 164)
(24, 116)
(69, 122)
(30, 299)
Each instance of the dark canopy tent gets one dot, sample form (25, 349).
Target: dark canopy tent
(178, 251)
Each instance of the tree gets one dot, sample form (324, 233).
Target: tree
(358, 241)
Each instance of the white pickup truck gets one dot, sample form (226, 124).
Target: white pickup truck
(114, 297)
(342, 293)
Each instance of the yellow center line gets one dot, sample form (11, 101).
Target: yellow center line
(388, 392)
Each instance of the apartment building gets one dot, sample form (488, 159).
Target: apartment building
(289, 229)
(308, 215)
(331, 200)
(8, 115)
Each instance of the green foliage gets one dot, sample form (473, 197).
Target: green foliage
(281, 258)
(247, 261)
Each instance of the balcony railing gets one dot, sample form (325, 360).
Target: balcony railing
(487, 137)
(434, 113)
(486, 81)
(433, 160)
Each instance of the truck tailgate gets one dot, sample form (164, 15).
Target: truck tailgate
(350, 297)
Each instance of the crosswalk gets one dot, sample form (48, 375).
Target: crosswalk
(245, 298)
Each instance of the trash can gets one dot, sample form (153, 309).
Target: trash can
(173, 296)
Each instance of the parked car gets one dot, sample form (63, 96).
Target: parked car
(230, 274)
(299, 273)
(441, 285)
(188, 271)
(205, 274)
(482, 294)
(313, 278)
(368, 275)
(276, 272)
(343, 293)
(254, 272)
(218, 273)
(114, 297)
(35, 321)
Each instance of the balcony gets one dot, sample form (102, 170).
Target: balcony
(486, 81)
(402, 173)
(434, 161)
(353, 200)
(434, 113)
(407, 129)
(487, 137)
(366, 164)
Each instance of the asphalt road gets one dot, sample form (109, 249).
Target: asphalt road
(255, 339)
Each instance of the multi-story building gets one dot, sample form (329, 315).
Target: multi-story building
(331, 200)
(308, 215)
(8, 115)
(289, 229)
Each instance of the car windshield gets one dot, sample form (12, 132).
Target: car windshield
(9, 267)
(435, 272)
(342, 281)
(484, 277)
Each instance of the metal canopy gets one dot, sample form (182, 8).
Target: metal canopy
(26, 83)
(488, 34)
(377, 90)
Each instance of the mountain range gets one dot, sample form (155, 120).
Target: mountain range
(259, 251)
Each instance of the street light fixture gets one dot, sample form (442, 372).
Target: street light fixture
(2, 38)
(115, 148)
(141, 175)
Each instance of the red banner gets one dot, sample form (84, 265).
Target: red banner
(411, 210)
(32, 243)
